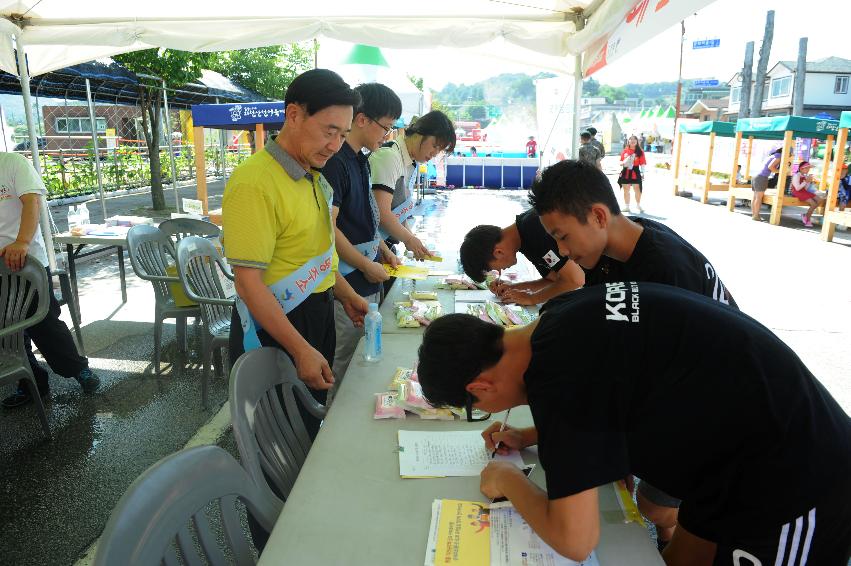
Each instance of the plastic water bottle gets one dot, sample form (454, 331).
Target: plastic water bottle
(372, 325)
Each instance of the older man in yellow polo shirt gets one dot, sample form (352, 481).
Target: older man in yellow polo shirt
(279, 237)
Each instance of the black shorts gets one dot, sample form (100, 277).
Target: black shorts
(819, 537)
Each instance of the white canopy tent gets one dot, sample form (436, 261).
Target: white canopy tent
(52, 34)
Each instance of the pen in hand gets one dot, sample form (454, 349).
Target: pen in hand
(501, 428)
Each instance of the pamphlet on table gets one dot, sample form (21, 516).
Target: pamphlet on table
(471, 533)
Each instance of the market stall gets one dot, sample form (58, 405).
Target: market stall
(701, 182)
(257, 116)
(785, 128)
(833, 216)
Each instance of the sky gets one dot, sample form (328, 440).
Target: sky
(734, 22)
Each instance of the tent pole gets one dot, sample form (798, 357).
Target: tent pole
(731, 195)
(44, 216)
(577, 93)
(677, 155)
(93, 122)
(171, 150)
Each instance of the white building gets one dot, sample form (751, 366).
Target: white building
(826, 88)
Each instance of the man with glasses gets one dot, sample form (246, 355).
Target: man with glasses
(279, 236)
(356, 215)
(761, 452)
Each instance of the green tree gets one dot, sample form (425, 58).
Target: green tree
(175, 68)
(268, 71)
(416, 81)
(437, 104)
(590, 87)
(612, 93)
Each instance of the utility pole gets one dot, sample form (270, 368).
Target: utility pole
(762, 66)
(747, 79)
(800, 79)
(679, 77)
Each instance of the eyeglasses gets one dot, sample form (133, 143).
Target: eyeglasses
(479, 415)
(387, 130)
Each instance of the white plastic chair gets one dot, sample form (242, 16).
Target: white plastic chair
(151, 251)
(272, 439)
(18, 290)
(200, 267)
(162, 518)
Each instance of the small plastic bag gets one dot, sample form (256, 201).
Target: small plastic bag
(387, 406)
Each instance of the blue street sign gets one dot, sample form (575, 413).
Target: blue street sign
(706, 82)
(705, 43)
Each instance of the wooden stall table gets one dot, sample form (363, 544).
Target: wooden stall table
(350, 506)
(832, 216)
(785, 128)
(74, 246)
(703, 182)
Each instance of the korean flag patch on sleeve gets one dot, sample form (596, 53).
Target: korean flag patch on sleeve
(551, 258)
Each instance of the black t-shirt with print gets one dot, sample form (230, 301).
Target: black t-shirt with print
(663, 256)
(753, 439)
(537, 245)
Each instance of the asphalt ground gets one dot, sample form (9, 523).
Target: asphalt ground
(57, 495)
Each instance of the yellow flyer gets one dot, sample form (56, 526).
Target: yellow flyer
(406, 271)
(463, 534)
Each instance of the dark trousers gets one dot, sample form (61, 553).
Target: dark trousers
(314, 320)
(54, 341)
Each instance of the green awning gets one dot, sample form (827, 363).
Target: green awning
(774, 127)
(723, 129)
(845, 120)
(671, 112)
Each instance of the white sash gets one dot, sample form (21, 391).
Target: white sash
(291, 290)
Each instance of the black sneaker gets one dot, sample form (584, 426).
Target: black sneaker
(88, 381)
(21, 397)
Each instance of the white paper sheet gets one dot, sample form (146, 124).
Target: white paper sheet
(514, 542)
(475, 296)
(442, 454)
(431, 545)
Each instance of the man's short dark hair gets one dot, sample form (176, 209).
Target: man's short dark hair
(437, 124)
(378, 101)
(591, 130)
(477, 250)
(584, 136)
(572, 187)
(456, 348)
(317, 89)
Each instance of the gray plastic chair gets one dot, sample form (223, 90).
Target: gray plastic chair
(18, 290)
(179, 228)
(199, 265)
(150, 252)
(161, 517)
(272, 440)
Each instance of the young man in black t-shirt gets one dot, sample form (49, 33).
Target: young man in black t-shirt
(578, 208)
(762, 452)
(488, 247)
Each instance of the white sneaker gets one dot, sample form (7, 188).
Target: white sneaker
(640, 210)
(841, 227)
